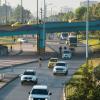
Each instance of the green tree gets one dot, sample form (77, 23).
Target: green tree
(70, 16)
(96, 11)
(17, 14)
(87, 88)
(66, 16)
(80, 13)
(61, 16)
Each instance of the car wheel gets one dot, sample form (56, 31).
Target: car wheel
(69, 57)
(36, 81)
(54, 73)
(66, 73)
(22, 83)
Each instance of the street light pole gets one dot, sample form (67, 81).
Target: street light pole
(87, 29)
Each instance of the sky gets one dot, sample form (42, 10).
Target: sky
(55, 5)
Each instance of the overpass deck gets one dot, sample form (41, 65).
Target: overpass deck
(51, 27)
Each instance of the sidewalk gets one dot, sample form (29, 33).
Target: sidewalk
(15, 58)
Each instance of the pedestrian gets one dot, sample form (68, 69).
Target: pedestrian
(11, 48)
(40, 62)
(14, 40)
(65, 47)
(60, 49)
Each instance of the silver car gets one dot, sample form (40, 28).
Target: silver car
(61, 67)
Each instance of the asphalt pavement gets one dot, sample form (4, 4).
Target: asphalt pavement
(16, 58)
(15, 91)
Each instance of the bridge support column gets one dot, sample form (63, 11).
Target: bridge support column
(41, 43)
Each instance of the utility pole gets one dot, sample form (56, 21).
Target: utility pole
(5, 12)
(41, 13)
(51, 15)
(87, 30)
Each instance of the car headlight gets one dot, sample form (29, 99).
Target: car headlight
(64, 70)
(22, 78)
(51, 64)
(30, 97)
(46, 99)
(34, 79)
(54, 70)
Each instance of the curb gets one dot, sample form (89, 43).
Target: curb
(18, 65)
(15, 65)
(17, 53)
(64, 97)
(24, 63)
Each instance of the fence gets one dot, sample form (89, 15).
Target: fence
(69, 91)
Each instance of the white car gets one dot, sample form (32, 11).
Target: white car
(29, 76)
(39, 92)
(61, 67)
(22, 40)
(67, 54)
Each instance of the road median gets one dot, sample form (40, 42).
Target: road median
(5, 79)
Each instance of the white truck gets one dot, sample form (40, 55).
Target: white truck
(72, 40)
(67, 54)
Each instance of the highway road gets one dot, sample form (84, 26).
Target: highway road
(15, 91)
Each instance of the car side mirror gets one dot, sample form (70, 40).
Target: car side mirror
(50, 93)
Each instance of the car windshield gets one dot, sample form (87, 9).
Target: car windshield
(53, 60)
(60, 64)
(66, 51)
(59, 69)
(29, 73)
(40, 91)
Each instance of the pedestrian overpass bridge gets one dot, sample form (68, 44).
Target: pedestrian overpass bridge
(50, 27)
